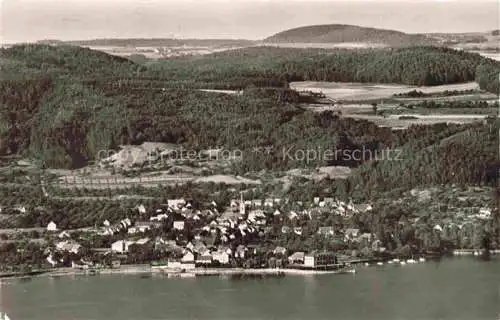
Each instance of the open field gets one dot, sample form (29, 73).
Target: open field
(343, 45)
(365, 91)
(155, 53)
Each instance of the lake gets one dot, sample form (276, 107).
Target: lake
(457, 288)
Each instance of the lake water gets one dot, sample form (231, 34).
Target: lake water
(458, 288)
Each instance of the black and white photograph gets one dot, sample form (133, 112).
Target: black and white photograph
(249, 160)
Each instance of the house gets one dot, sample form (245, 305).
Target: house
(296, 258)
(121, 246)
(437, 227)
(176, 203)
(106, 223)
(279, 251)
(315, 259)
(297, 230)
(141, 209)
(240, 251)
(221, 256)
(326, 231)
(233, 203)
(285, 229)
(366, 237)
(188, 257)
(257, 203)
(174, 264)
(68, 246)
(179, 225)
(351, 234)
(188, 261)
(268, 203)
(363, 207)
(138, 228)
(277, 212)
(50, 259)
(316, 200)
(292, 215)
(142, 241)
(160, 217)
(63, 234)
(204, 258)
(329, 201)
(255, 215)
(21, 209)
(125, 223)
(51, 226)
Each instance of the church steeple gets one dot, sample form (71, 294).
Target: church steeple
(242, 204)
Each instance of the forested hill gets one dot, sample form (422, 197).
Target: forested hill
(62, 104)
(340, 33)
(31, 60)
(276, 66)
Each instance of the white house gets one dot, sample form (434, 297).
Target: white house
(51, 226)
(179, 225)
(437, 227)
(292, 215)
(63, 234)
(121, 246)
(221, 256)
(268, 202)
(187, 261)
(69, 246)
(176, 203)
(142, 241)
(51, 260)
(257, 203)
(141, 209)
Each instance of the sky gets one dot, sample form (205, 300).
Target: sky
(31, 20)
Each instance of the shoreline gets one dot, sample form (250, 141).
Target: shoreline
(146, 269)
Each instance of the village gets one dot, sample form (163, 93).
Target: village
(184, 236)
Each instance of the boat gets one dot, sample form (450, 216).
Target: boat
(421, 259)
(349, 270)
(4, 316)
(367, 264)
(396, 260)
(402, 263)
(411, 261)
(380, 263)
(390, 262)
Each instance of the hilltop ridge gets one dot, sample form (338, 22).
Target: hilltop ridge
(342, 33)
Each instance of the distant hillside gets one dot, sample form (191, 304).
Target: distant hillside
(339, 33)
(31, 60)
(155, 42)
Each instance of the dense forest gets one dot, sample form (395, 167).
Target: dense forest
(273, 66)
(488, 77)
(73, 102)
(340, 33)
